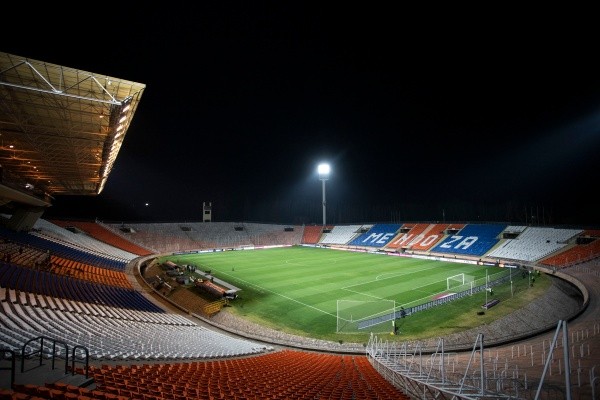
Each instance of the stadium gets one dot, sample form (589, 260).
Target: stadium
(246, 310)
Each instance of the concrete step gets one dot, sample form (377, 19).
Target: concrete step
(37, 374)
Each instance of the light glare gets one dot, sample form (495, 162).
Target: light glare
(323, 169)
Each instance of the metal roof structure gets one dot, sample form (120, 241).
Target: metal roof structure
(61, 129)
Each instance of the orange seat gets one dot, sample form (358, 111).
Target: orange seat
(98, 394)
(7, 394)
(56, 385)
(71, 389)
(56, 394)
(27, 388)
(43, 392)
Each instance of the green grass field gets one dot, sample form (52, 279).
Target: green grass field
(301, 289)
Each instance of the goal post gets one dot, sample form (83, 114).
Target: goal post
(353, 316)
(455, 281)
(460, 282)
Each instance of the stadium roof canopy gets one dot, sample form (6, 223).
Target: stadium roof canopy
(60, 129)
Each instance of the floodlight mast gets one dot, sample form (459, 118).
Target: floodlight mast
(324, 170)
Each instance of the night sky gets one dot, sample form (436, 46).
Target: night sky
(422, 117)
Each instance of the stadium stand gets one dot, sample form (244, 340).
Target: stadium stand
(408, 235)
(312, 234)
(341, 234)
(535, 243)
(151, 336)
(432, 235)
(583, 248)
(100, 232)
(65, 308)
(471, 240)
(286, 374)
(90, 244)
(377, 236)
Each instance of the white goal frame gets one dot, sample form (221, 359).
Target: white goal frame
(455, 278)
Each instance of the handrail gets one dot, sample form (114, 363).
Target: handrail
(87, 359)
(41, 351)
(54, 342)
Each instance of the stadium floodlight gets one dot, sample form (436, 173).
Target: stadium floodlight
(324, 170)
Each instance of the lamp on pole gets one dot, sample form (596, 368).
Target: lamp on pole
(323, 170)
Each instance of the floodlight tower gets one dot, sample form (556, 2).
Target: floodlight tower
(323, 170)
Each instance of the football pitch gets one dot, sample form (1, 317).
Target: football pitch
(320, 292)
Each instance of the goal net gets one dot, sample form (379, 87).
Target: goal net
(455, 281)
(355, 316)
(459, 282)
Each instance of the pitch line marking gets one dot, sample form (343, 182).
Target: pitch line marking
(293, 262)
(393, 275)
(263, 290)
(389, 276)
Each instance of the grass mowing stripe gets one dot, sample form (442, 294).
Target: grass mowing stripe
(263, 289)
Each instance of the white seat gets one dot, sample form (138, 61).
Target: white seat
(13, 295)
(32, 299)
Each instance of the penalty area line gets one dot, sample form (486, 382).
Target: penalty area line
(280, 295)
